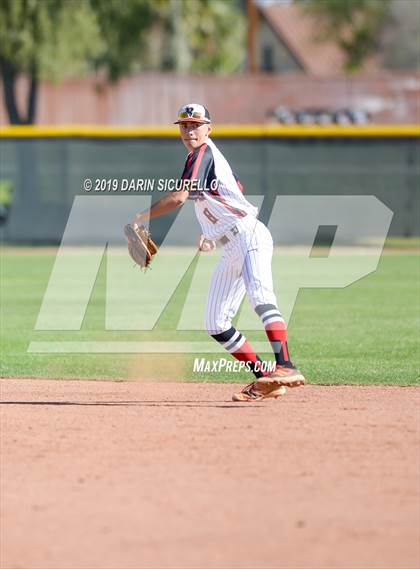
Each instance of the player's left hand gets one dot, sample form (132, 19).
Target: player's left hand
(206, 245)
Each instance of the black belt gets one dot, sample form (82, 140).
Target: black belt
(224, 240)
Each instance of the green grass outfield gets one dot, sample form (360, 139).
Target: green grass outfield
(366, 333)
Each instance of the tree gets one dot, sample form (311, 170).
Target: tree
(123, 25)
(214, 31)
(355, 25)
(43, 39)
(54, 39)
(196, 36)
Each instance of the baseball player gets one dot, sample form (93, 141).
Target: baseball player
(227, 217)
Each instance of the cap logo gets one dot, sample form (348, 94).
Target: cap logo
(193, 113)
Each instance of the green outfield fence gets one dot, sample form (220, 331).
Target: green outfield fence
(42, 168)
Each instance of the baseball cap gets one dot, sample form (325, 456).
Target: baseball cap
(193, 112)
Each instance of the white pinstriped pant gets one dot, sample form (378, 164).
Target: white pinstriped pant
(244, 267)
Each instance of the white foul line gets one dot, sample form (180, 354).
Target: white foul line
(115, 347)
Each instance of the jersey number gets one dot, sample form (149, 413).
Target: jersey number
(210, 216)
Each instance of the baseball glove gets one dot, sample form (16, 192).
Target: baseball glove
(141, 246)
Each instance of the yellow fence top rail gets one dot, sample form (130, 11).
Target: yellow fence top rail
(220, 131)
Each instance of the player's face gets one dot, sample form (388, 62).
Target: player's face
(194, 134)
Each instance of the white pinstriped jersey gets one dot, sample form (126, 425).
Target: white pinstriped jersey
(216, 191)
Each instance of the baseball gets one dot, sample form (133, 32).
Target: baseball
(207, 246)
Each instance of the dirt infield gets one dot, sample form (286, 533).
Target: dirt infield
(103, 475)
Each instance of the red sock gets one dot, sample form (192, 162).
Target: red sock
(246, 354)
(277, 334)
(237, 345)
(276, 330)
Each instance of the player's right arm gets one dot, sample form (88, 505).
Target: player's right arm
(165, 205)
